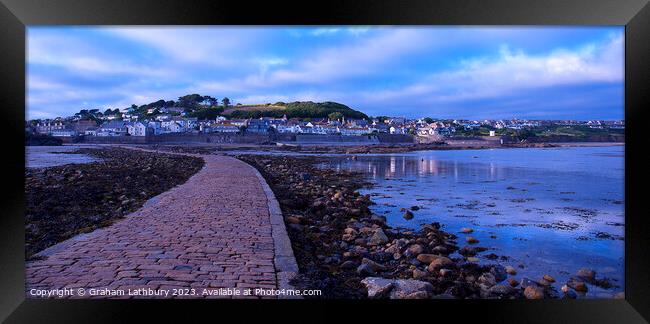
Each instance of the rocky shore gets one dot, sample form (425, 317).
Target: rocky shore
(67, 200)
(347, 251)
(339, 149)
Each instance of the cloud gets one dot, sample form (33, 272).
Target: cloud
(74, 55)
(512, 72)
(202, 45)
(365, 57)
(380, 70)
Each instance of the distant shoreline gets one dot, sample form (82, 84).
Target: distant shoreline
(589, 144)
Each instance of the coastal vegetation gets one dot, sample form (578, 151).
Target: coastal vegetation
(208, 107)
(544, 131)
(297, 109)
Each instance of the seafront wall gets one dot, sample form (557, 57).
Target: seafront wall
(244, 139)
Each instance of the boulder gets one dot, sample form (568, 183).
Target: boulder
(373, 265)
(348, 265)
(440, 249)
(500, 290)
(511, 270)
(440, 262)
(548, 278)
(487, 279)
(392, 249)
(397, 289)
(471, 240)
(427, 258)
(577, 285)
(378, 287)
(293, 220)
(513, 282)
(534, 292)
(525, 282)
(408, 215)
(365, 270)
(499, 273)
(445, 272)
(419, 274)
(415, 249)
(411, 289)
(586, 274)
(379, 237)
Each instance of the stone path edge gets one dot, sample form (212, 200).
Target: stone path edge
(285, 261)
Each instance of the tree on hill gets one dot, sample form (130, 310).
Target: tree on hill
(190, 101)
(335, 116)
(226, 102)
(206, 113)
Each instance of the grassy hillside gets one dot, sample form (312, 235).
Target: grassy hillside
(297, 109)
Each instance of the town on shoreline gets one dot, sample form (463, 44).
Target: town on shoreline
(196, 117)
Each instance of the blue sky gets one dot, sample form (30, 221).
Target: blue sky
(441, 72)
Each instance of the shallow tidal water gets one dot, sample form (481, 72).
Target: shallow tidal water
(49, 156)
(548, 210)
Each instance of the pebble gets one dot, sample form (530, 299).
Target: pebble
(466, 230)
(511, 270)
(513, 282)
(408, 215)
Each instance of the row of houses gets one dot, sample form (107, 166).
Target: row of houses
(164, 124)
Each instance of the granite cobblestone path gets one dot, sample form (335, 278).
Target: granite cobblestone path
(214, 231)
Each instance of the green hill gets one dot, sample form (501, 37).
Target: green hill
(297, 109)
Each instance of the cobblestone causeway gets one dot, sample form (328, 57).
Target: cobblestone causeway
(213, 231)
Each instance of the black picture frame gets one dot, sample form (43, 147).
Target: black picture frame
(15, 15)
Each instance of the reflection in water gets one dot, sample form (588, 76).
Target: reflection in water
(550, 211)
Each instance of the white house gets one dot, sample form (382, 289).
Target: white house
(136, 129)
